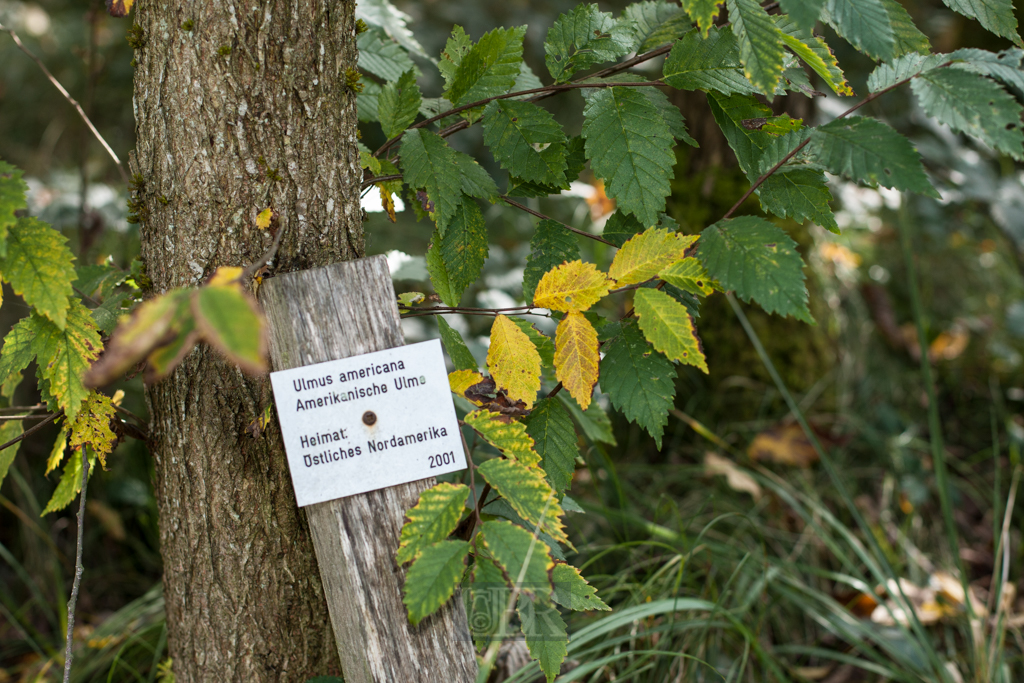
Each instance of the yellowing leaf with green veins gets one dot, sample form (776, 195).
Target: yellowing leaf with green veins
(433, 577)
(12, 198)
(410, 298)
(703, 12)
(460, 380)
(263, 219)
(577, 357)
(70, 483)
(669, 327)
(514, 548)
(432, 519)
(184, 335)
(644, 255)
(514, 361)
(39, 268)
(509, 437)
(229, 321)
(60, 447)
(65, 354)
(689, 275)
(572, 286)
(573, 591)
(10, 429)
(525, 489)
(92, 426)
(17, 351)
(225, 276)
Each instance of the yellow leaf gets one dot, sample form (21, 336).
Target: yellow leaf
(460, 380)
(263, 220)
(668, 326)
(645, 254)
(689, 275)
(387, 201)
(576, 357)
(514, 361)
(785, 445)
(225, 275)
(57, 453)
(572, 287)
(92, 426)
(119, 8)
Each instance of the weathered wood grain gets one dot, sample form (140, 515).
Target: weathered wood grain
(337, 311)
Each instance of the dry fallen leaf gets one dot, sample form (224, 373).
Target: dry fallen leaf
(949, 344)
(785, 445)
(737, 479)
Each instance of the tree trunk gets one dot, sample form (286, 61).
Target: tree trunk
(239, 107)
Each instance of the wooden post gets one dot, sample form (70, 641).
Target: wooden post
(338, 311)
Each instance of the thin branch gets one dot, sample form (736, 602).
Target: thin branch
(421, 312)
(32, 430)
(538, 214)
(546, 90)
(78, 568)
(380, 179)
(467, 309)
(768, 174)
(71, 100)
(263, 260)
(24, 417)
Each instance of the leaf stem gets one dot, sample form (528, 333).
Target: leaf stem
(71, 100)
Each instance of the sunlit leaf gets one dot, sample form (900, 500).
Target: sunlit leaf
(65, 354)
(92, 426)
(644, 255)
(576, 357)
(668, 326)
(571, 287)
(513, 361)
(689, 275)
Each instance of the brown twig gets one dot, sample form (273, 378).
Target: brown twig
(263, 260)
(538, 214)
(78, 568)
(23, 417)
(71, 100)
(492, 313)
(32, 430)
(380, 179)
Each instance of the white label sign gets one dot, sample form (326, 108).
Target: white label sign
(368, 422)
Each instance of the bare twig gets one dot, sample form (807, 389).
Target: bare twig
(78, 568)
(538, 214)
(32, 430)
(4, 418)
(494, 313)
(263, 260)
(379, 179)
(71, 100)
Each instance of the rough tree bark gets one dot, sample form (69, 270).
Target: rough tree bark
(239, 107)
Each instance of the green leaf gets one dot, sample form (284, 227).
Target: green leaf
(505, 434)
(804, 12)
(432, 578)
(630, 146)
(510, 546)
(761, 50)
(749, 144)
(758, 261)
(801, 194)
(594, 421)
(464, 246)
(368, 101)
(39, 267)
(384, 15)
(864, 23)
(526, 80)
(996, 15)
(18, 349)
(909, 65)
(555, 440)
(382, 56)
(399, 103)
(670, 112)
(12, 198)
(545, 347)
(526, 491)
(65, 354)
(110, 311)
(656, 23)
(972, 104)
(668, 326)
(1003, 66)
(432, 519)
(546, 634)
(711, 63)
(489, 593)
(907, 38)
(703, 12)
(815, 53)
(551, 246)
(512, 128)
(639, 381)
(429, 163)
(98, 280)
(620, 227)
(454, 50)
(869, 151)
(440, 278)
(575, 158)
(688, 275)
(456, 347)
(229, 321)
(490, 68)
(585, 36)
(573, 592)
(70, 483)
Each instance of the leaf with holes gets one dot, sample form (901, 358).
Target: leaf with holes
(454, 50)
(869, 151)
(432, 519)
(433, 577)
(571, 287)
(630, 146)
(525, 489)
(639, 381)
(758, 261)
(514, 131)
(644, 255)
(65, 354)
(92, 426)
(555, 440)
(576, 357)
(513, 361)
